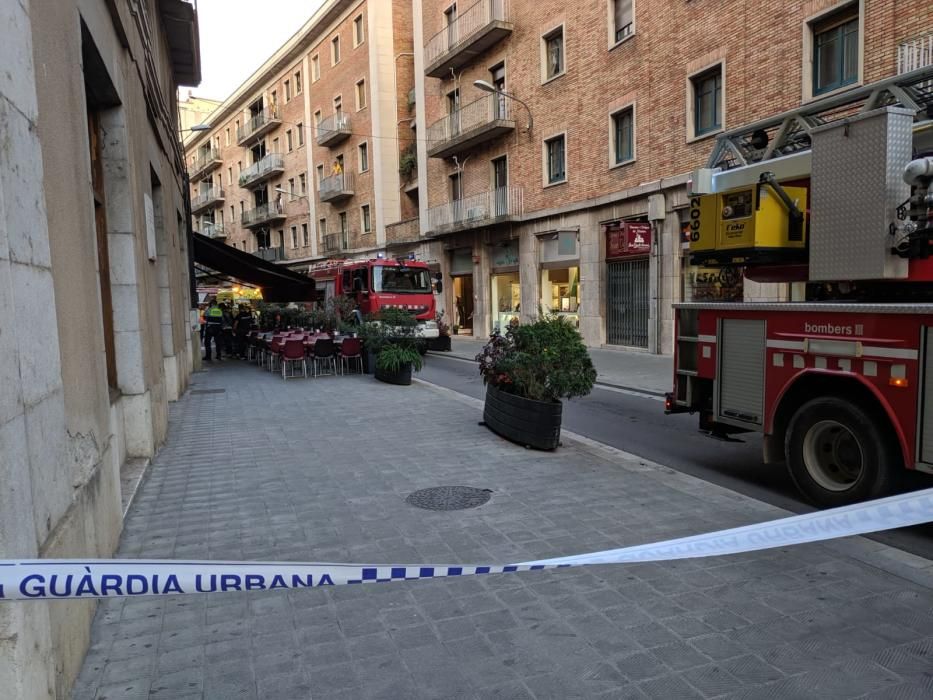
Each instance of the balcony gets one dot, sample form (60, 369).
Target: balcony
(484, 209)
(269, 165)
(206, 161)
(263, 214)
(336, 242)
(207, 199)
(482, 120)
(336, 187)
(213, 230)
(271, 254)
(403, 231)
(261, 123)
(915, 54)
(472, 32)
(333, 130)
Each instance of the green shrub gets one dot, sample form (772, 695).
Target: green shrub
(545, 361)
(393, 357)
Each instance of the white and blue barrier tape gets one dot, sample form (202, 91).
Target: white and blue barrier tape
(45, 579)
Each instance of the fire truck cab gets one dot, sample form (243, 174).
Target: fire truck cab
(835, 198)
(379, 283)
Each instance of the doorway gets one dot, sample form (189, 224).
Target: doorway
(627, 303)
(463, 303)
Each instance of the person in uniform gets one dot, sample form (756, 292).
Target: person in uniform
(213, 329)
(242, 325)
(227, 328)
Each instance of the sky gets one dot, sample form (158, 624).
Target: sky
(237, 36)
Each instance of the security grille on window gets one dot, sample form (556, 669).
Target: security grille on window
(556, 171)
(554, 53)
(835, 51)
(622, 15)
(367, 223)
(707, 101)
(623, 136)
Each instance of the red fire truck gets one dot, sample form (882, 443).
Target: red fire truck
(834, 198)
(381, 283)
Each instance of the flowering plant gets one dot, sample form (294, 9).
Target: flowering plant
(545, 361)
(442, 326)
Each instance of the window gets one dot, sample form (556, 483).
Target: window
(707, 101)
(835, 51)
(301, 134)
(321, 228)
(227, 137)
(232, 214)
(288, 140)
(344, 230)
(555, 156)
(363, 153)
(456, 189)
(280, 241)
(236, 125)
(318, 118)
(360, 94)
(553, 53)
(315, 68)
(230, 176)
(297, 78)
(358, 31)
(294, 236)
(275, 145)
(272, 102)
(400, 280)
(338, 105)
(303, 183)
(320, 175)
(242, 208)
(367, 221)
(623, 136)
(622, 19)
(304, 235)
(291, 186)
(335, 51)
(288, 91)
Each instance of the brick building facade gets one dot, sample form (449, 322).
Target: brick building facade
(615, 103)
(301, 163)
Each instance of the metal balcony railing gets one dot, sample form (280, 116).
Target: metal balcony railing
(333, 130)
(206, 161)
(336, 242)
(336, 187)
(213, 230)
(474, 30)
(494, 206)
(267, 166)
(271, 254)
(263, 214)
(261, 123)
(403, 231)
(481, 120)
(914, 54)
(206, 199)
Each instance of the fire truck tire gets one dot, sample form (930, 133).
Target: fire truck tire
(839, 453)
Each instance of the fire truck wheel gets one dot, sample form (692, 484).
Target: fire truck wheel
(838, 453)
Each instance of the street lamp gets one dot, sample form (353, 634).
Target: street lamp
(486, 86)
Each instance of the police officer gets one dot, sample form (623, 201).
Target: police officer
(227, 329)
(242, 325)
(213, 329)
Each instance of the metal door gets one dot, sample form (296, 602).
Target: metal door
(741, 375)
(627, 303)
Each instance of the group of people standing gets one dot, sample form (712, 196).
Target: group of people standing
(226, 328)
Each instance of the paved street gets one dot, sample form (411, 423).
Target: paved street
(255, 468)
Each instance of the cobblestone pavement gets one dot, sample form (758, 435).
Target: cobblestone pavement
(318, 470)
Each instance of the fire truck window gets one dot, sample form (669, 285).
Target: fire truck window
(359, 280)
(394, 279)
(346, 279)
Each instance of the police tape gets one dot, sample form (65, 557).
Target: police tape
(45, 579)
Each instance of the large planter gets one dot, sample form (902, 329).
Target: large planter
(369, 361)
(439, 344)
(524, 421)
(402, 377)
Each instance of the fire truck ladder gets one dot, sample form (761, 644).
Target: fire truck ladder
(788, 134)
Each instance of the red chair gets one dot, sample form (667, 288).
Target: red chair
(293, 351)
(275, 351)
(351, 349)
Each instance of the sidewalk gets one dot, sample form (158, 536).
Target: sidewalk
(626, 369)
(318, 470)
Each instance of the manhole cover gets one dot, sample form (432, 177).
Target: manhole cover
(208, 391)
(449, 498)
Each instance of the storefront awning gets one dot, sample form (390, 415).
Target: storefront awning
(278, 284)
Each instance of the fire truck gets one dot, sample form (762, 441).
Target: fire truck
(380, 283)
(835, 199)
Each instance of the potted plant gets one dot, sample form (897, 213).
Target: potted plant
(396, 346)
(442, 341)
(373, 337)
(527, 372)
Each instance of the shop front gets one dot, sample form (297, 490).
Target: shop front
(559, 261)
(505, 285)
(461, 273)
(628, 248)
